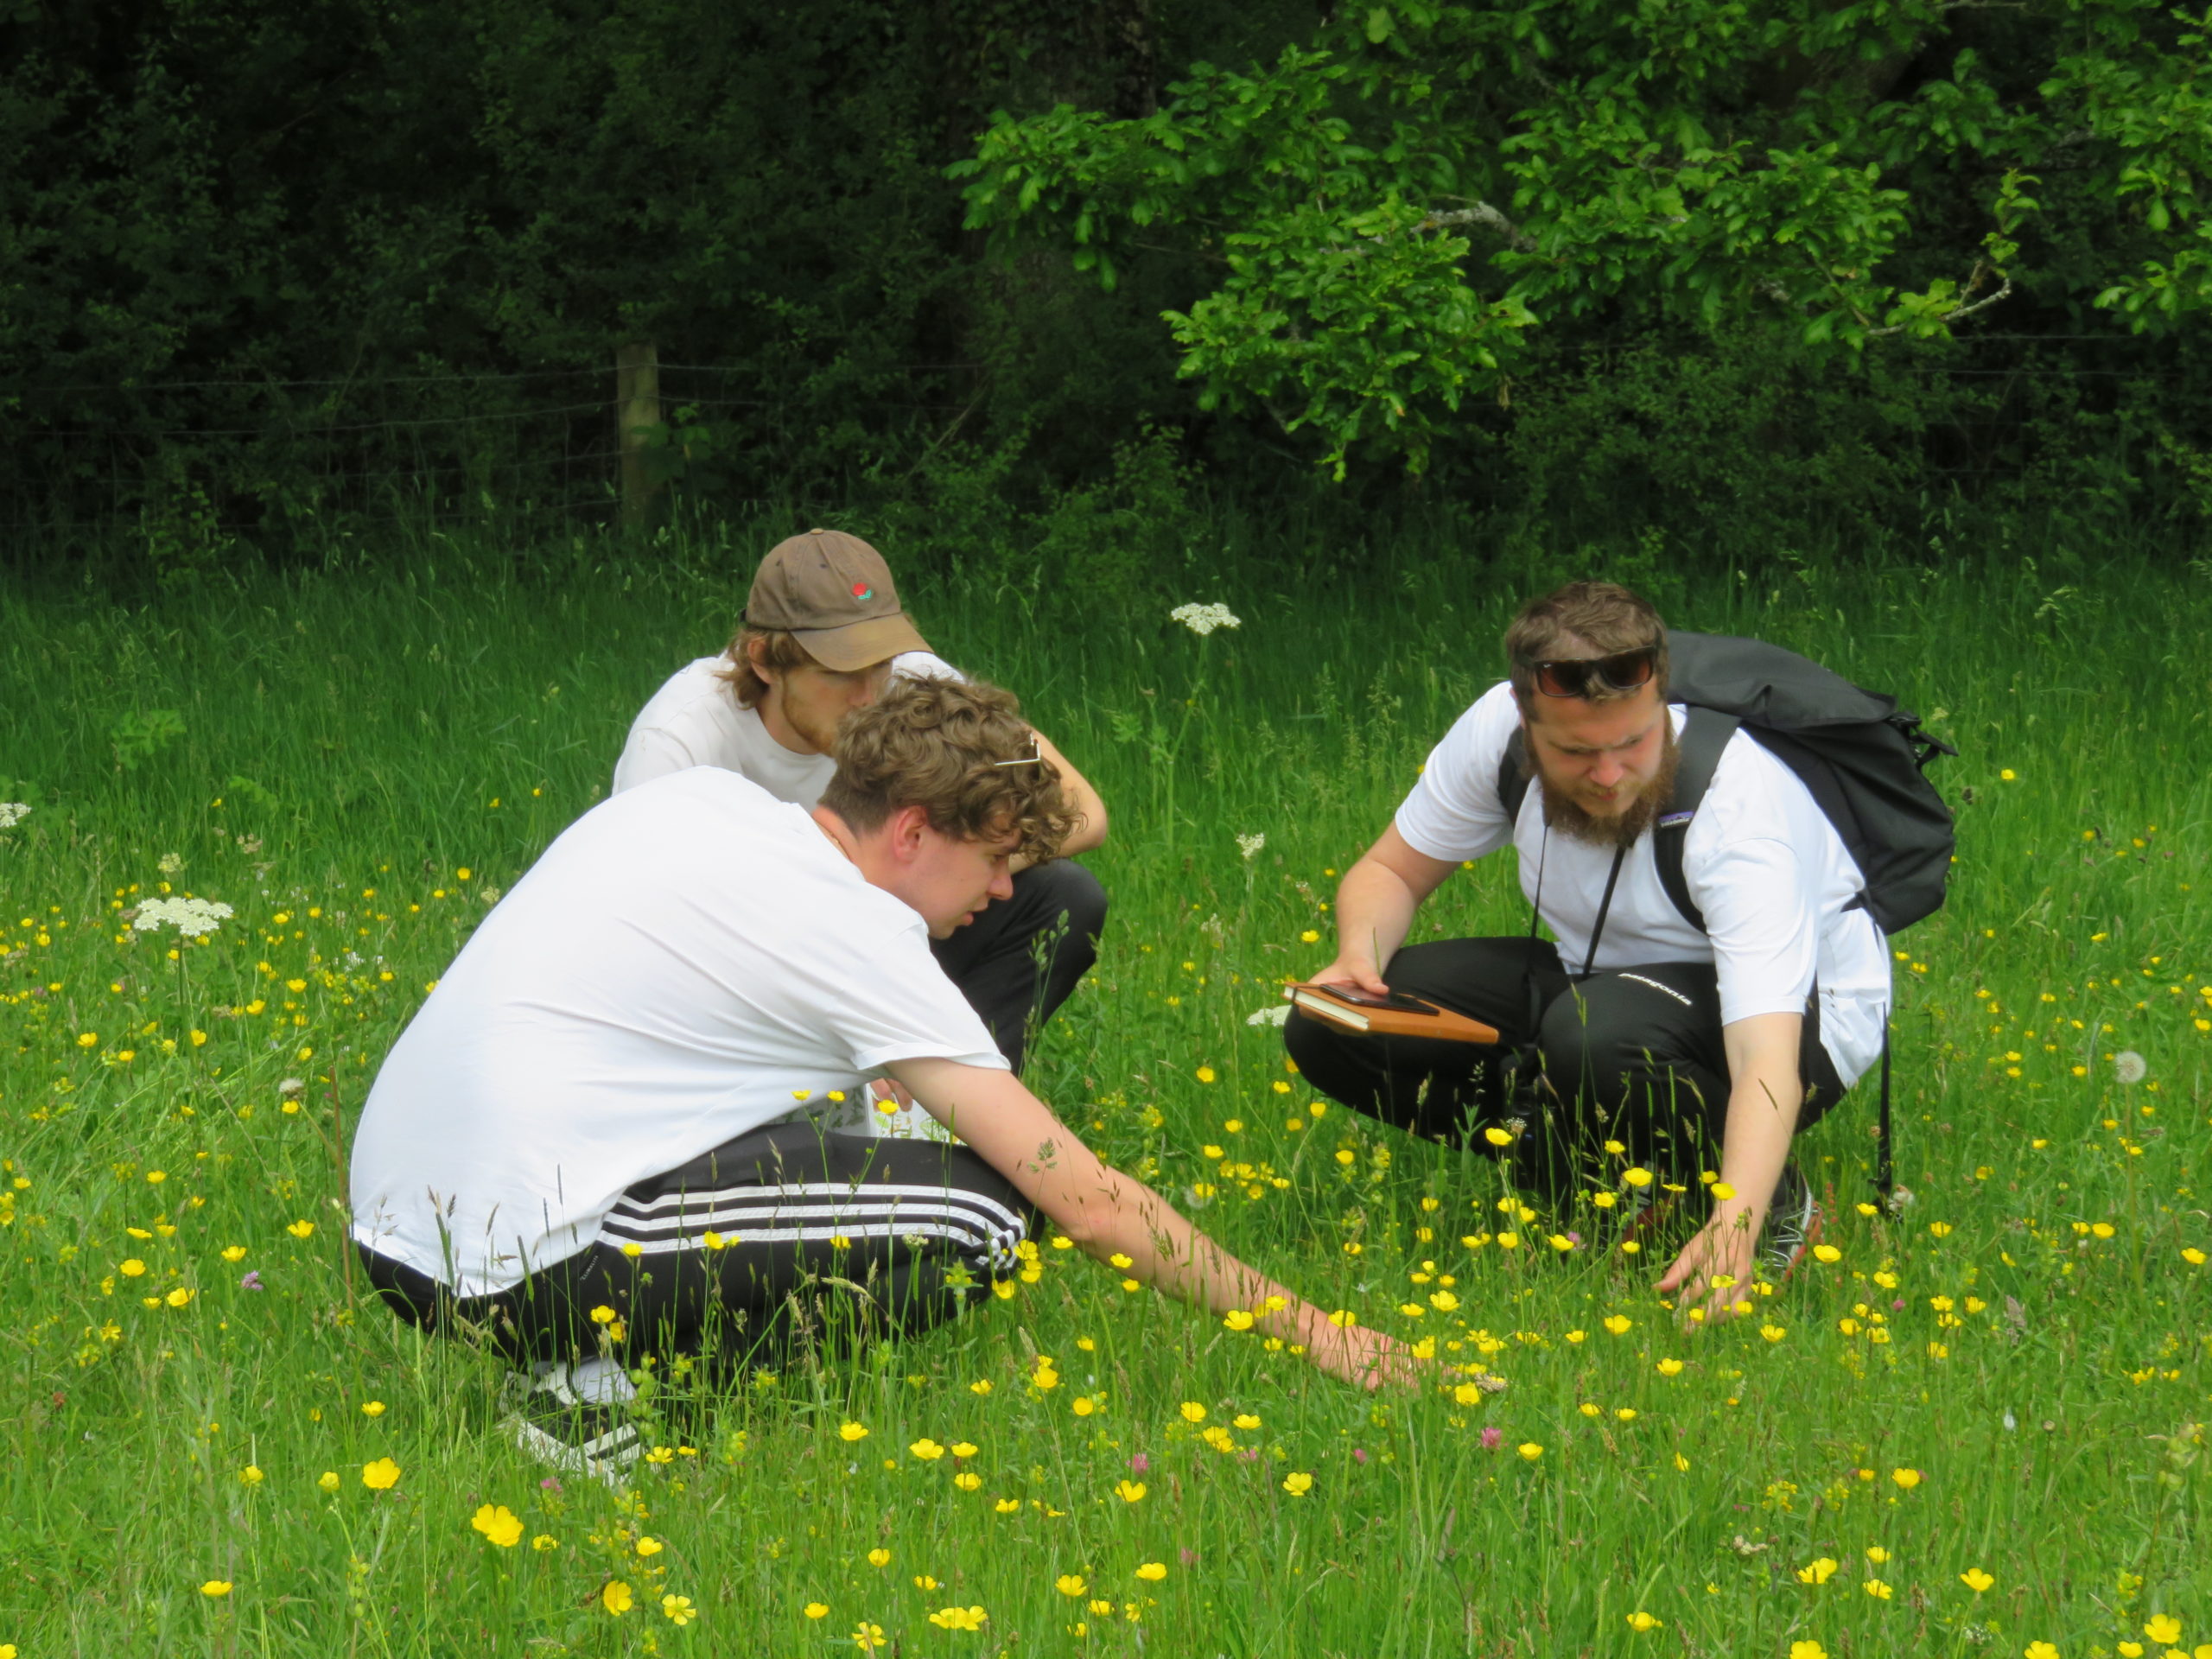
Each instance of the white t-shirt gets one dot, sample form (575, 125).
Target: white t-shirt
(686, 964)
(694, 720)
(1760, 860)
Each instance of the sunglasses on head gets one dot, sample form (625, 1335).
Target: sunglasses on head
(1623, 671)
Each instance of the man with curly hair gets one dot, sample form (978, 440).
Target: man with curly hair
(630, 1120)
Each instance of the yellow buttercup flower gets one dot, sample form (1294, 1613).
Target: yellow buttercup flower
(1298, 1483)
(927, 1450)
(1129, 1491)
(879, 1557)
(1152, 1572)
(1975, 1579)
(1818, 1572)
(1070, 1584)
(380, 1476)
(216, 1589)
(1531, 1450)
(1908, 1478)
(2163, 1629)
(615, 1597)
(678, 1610)
(1641, 1621)
(499, 1524)
(852, 1432)
(1193, 1412)
(817, 1610)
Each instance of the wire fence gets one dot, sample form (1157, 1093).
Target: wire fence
(241, 457)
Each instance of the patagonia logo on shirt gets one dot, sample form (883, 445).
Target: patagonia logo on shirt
(1674, 819)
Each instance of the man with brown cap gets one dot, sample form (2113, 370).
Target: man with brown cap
(823, 634)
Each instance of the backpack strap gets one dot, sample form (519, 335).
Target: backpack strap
(1513, 776)
(1705, 734)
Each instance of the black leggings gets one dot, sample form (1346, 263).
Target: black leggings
(784, 1233)
(1018, 959)
(1633, 1054)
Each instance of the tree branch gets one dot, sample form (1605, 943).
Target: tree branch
(1488, 217)
(1959, 316)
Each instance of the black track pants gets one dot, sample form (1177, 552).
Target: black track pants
(811, 1235)
(1633, 1054)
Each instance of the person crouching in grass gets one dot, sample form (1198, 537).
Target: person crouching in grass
(630, 1123)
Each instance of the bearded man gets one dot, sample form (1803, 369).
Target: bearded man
(1637, 1047)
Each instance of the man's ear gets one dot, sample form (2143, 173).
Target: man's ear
(756, 658)
(905, 829)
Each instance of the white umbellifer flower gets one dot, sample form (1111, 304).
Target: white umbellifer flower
(1205, 619)
(1250, 845)
(12, 813)
(191, 916)
(168, 864)
(2129, 1066)
(1268, 1016)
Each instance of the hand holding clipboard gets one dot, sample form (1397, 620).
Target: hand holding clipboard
(1393, 1014)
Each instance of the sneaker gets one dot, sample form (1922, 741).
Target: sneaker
(554, 1423)
(1794, 1222)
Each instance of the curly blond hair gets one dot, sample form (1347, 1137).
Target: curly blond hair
(961, 752)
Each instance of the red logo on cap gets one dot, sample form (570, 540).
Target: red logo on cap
(861, 590)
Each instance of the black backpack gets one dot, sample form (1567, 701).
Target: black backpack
(1864, 759)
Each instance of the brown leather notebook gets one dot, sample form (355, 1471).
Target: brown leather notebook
(1394, 1016)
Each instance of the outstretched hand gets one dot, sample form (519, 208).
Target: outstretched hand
(1712, 1274)
(1366, 1359)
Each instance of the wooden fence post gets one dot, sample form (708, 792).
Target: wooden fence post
(637, 413)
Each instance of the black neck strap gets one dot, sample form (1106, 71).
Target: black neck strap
(1604, 902)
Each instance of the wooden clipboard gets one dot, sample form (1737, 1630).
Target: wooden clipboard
(1399, 1015)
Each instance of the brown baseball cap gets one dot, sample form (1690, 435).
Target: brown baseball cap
(833, 592)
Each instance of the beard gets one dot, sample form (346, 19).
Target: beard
(1620, 828)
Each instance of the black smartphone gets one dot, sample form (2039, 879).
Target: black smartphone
(1360, 999)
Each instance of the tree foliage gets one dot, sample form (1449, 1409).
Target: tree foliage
(1393, 213)
(262, 254)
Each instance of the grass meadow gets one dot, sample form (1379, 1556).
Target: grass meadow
(1977, 1430)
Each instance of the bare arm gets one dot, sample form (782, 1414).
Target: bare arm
(1764, 1093)
(1109, 1214)
(1083, 802)
(1375, 906)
